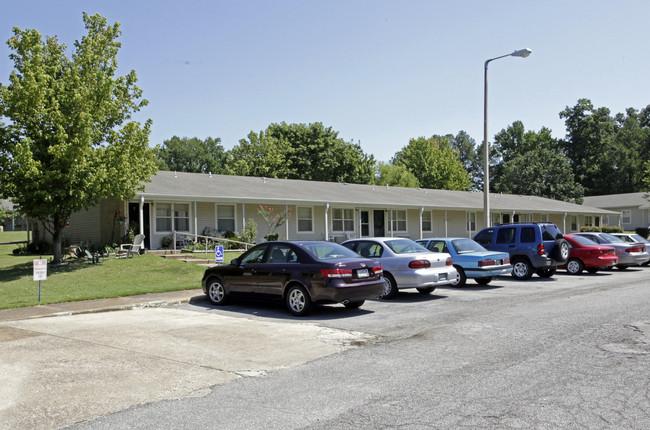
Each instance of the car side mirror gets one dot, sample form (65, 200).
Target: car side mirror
(235, 262)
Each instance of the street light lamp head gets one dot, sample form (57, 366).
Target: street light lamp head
(522, 53)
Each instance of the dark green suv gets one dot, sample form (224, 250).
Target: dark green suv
(534, 247)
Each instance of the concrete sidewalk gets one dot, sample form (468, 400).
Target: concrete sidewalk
(169, 298)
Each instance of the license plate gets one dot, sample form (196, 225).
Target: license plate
(443, 276)
(362, 273)
(498, 262)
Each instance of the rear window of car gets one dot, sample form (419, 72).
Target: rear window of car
(584, 240)
(465, 246)
(550, 232)
(328, 251)
(405, 246)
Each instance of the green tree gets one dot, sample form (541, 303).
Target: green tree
(259, 156)
(185, 154)
(318, 154)
(434, 163)
(70, 141)
(468, 155)
(395, 175)
(539, 172)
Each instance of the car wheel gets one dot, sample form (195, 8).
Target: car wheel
(390, 290)
(297, 300)
(592, 270)
(546, 273)
(461, 279)
(521, 269)
(354, 305)
(483, 281)
(622, 267)
(216, 292)
(574, 266)
(561, 250)
(427, 290)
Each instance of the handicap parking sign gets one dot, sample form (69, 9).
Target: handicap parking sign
(218, 254)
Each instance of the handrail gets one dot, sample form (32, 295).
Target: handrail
(207, 238)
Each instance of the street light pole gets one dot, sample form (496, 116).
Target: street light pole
(486, 150)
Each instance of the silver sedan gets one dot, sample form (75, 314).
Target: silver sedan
(629, 254)
(406, 264)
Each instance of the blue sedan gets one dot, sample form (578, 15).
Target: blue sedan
(471, 260)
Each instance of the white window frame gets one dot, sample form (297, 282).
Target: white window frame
(626, 213)
(430, 221)
(589, 221)
(216, 216)
(172, 217)
(470, 222)
(298, 219)
(396, 219)
(343, 219)
(574, 223)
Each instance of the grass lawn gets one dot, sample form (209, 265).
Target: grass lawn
(82, 281)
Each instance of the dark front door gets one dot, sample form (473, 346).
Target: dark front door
(379, 227)
(134, 221)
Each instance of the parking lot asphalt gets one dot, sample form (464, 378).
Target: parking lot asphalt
(170, 298)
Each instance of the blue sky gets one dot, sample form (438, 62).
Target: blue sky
(379, 72)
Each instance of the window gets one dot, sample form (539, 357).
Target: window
(589, 221)
(627, 216)
(496, 218)
(485, 237)
(427, 225)
(574, 223)
(282, 254)
(399, 220)
(305, 219)
(528, 234)
(506, 235)
(544, 218)
(342, 219)
(225, 218)
(471, 221)
(172, 216)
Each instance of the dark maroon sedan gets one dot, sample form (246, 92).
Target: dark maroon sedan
(587, 254)
(300, 274)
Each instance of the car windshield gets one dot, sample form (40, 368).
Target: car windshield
(584, 240)
(550, 232)
(405, 246)
(328, 251)
(464, 246)
(610, 238)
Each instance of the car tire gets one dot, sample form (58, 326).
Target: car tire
(216, 294)
(483, 281)
(592, 270)
(297, 300)
(426, 290)
(354, 305)
(561, 251)
(574, 266)
(461, 279)
(521, 269)
(390, 290)
(546, 273)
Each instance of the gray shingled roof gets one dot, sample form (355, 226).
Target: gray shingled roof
(635, 200)
(204, 187)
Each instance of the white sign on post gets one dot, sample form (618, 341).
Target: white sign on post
(40, 270)
(218, 254)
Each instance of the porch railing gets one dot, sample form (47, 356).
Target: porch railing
(180, 238)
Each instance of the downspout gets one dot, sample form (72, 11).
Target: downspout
(286, 223)
(563, 222)
(196, 223)
(421, 212)
(327, 233)
(243, 216)
(446, 235)
(141, 215)
(391, 223)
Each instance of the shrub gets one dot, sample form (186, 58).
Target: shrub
(642, 231)
(271, 236)
(612, 229)
(250, 231)
(590, 229)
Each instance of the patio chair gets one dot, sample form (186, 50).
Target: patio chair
(136, 246)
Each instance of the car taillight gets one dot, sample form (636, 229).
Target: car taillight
(336, 273)
(449, 261)
(636, 249)
(506, 260)
(540, 249)
(486, 263)
(378, 270)
(419, 264)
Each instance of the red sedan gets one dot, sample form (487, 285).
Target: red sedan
(587, 254)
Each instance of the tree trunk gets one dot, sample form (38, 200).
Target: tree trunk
(57, 229)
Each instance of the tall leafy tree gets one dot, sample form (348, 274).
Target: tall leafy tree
(69, 140)
(191, 155)
(395, 175)
(259, 156)
(319, 154)
(469, 156)
(434, 163)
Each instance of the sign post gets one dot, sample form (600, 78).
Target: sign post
(218, 254)
(40, 273)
